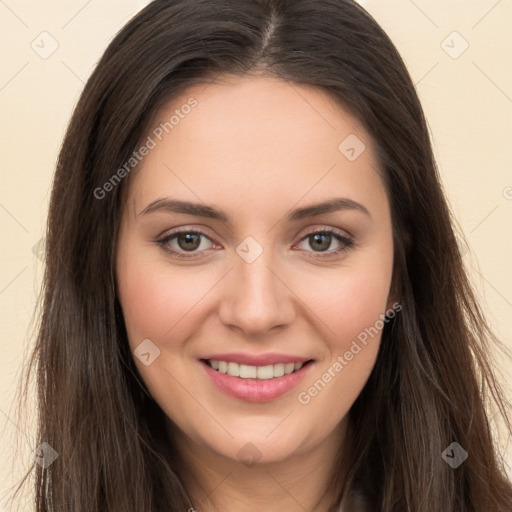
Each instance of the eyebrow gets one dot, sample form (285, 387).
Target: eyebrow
(201, 210)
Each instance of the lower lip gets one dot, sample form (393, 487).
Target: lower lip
(256, 390)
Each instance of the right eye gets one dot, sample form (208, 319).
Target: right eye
(187, 241)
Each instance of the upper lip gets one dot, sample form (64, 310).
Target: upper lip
(256, 359)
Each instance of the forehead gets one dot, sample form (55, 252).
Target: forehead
(252, 136)
(258, 111)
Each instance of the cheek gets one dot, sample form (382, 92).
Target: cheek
(357, 306)
(351, 300)
(157, 304)
(356, 323)
(154, 298)
(354, 334)
(351, 306)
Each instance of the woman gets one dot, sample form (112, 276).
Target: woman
(254, 298)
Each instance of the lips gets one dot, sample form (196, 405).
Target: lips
(257, 389)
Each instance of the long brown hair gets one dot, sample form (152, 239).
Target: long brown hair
(433, 376)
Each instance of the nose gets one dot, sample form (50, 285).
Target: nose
(256, 298)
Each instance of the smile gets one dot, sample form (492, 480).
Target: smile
(255, 383)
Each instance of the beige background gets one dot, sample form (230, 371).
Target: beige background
(467, 97)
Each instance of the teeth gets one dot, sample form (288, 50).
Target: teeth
(278, 370)
(233, 369)
(255, 372)
(246, 372)
(265, 372)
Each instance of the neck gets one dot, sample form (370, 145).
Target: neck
(306, 480)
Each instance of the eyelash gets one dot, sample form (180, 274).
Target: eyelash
(346, 243)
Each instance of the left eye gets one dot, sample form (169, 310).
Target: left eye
(191, 242)
(323, 239)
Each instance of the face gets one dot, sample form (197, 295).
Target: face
(262, 280)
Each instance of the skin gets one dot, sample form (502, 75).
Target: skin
(256, 148)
